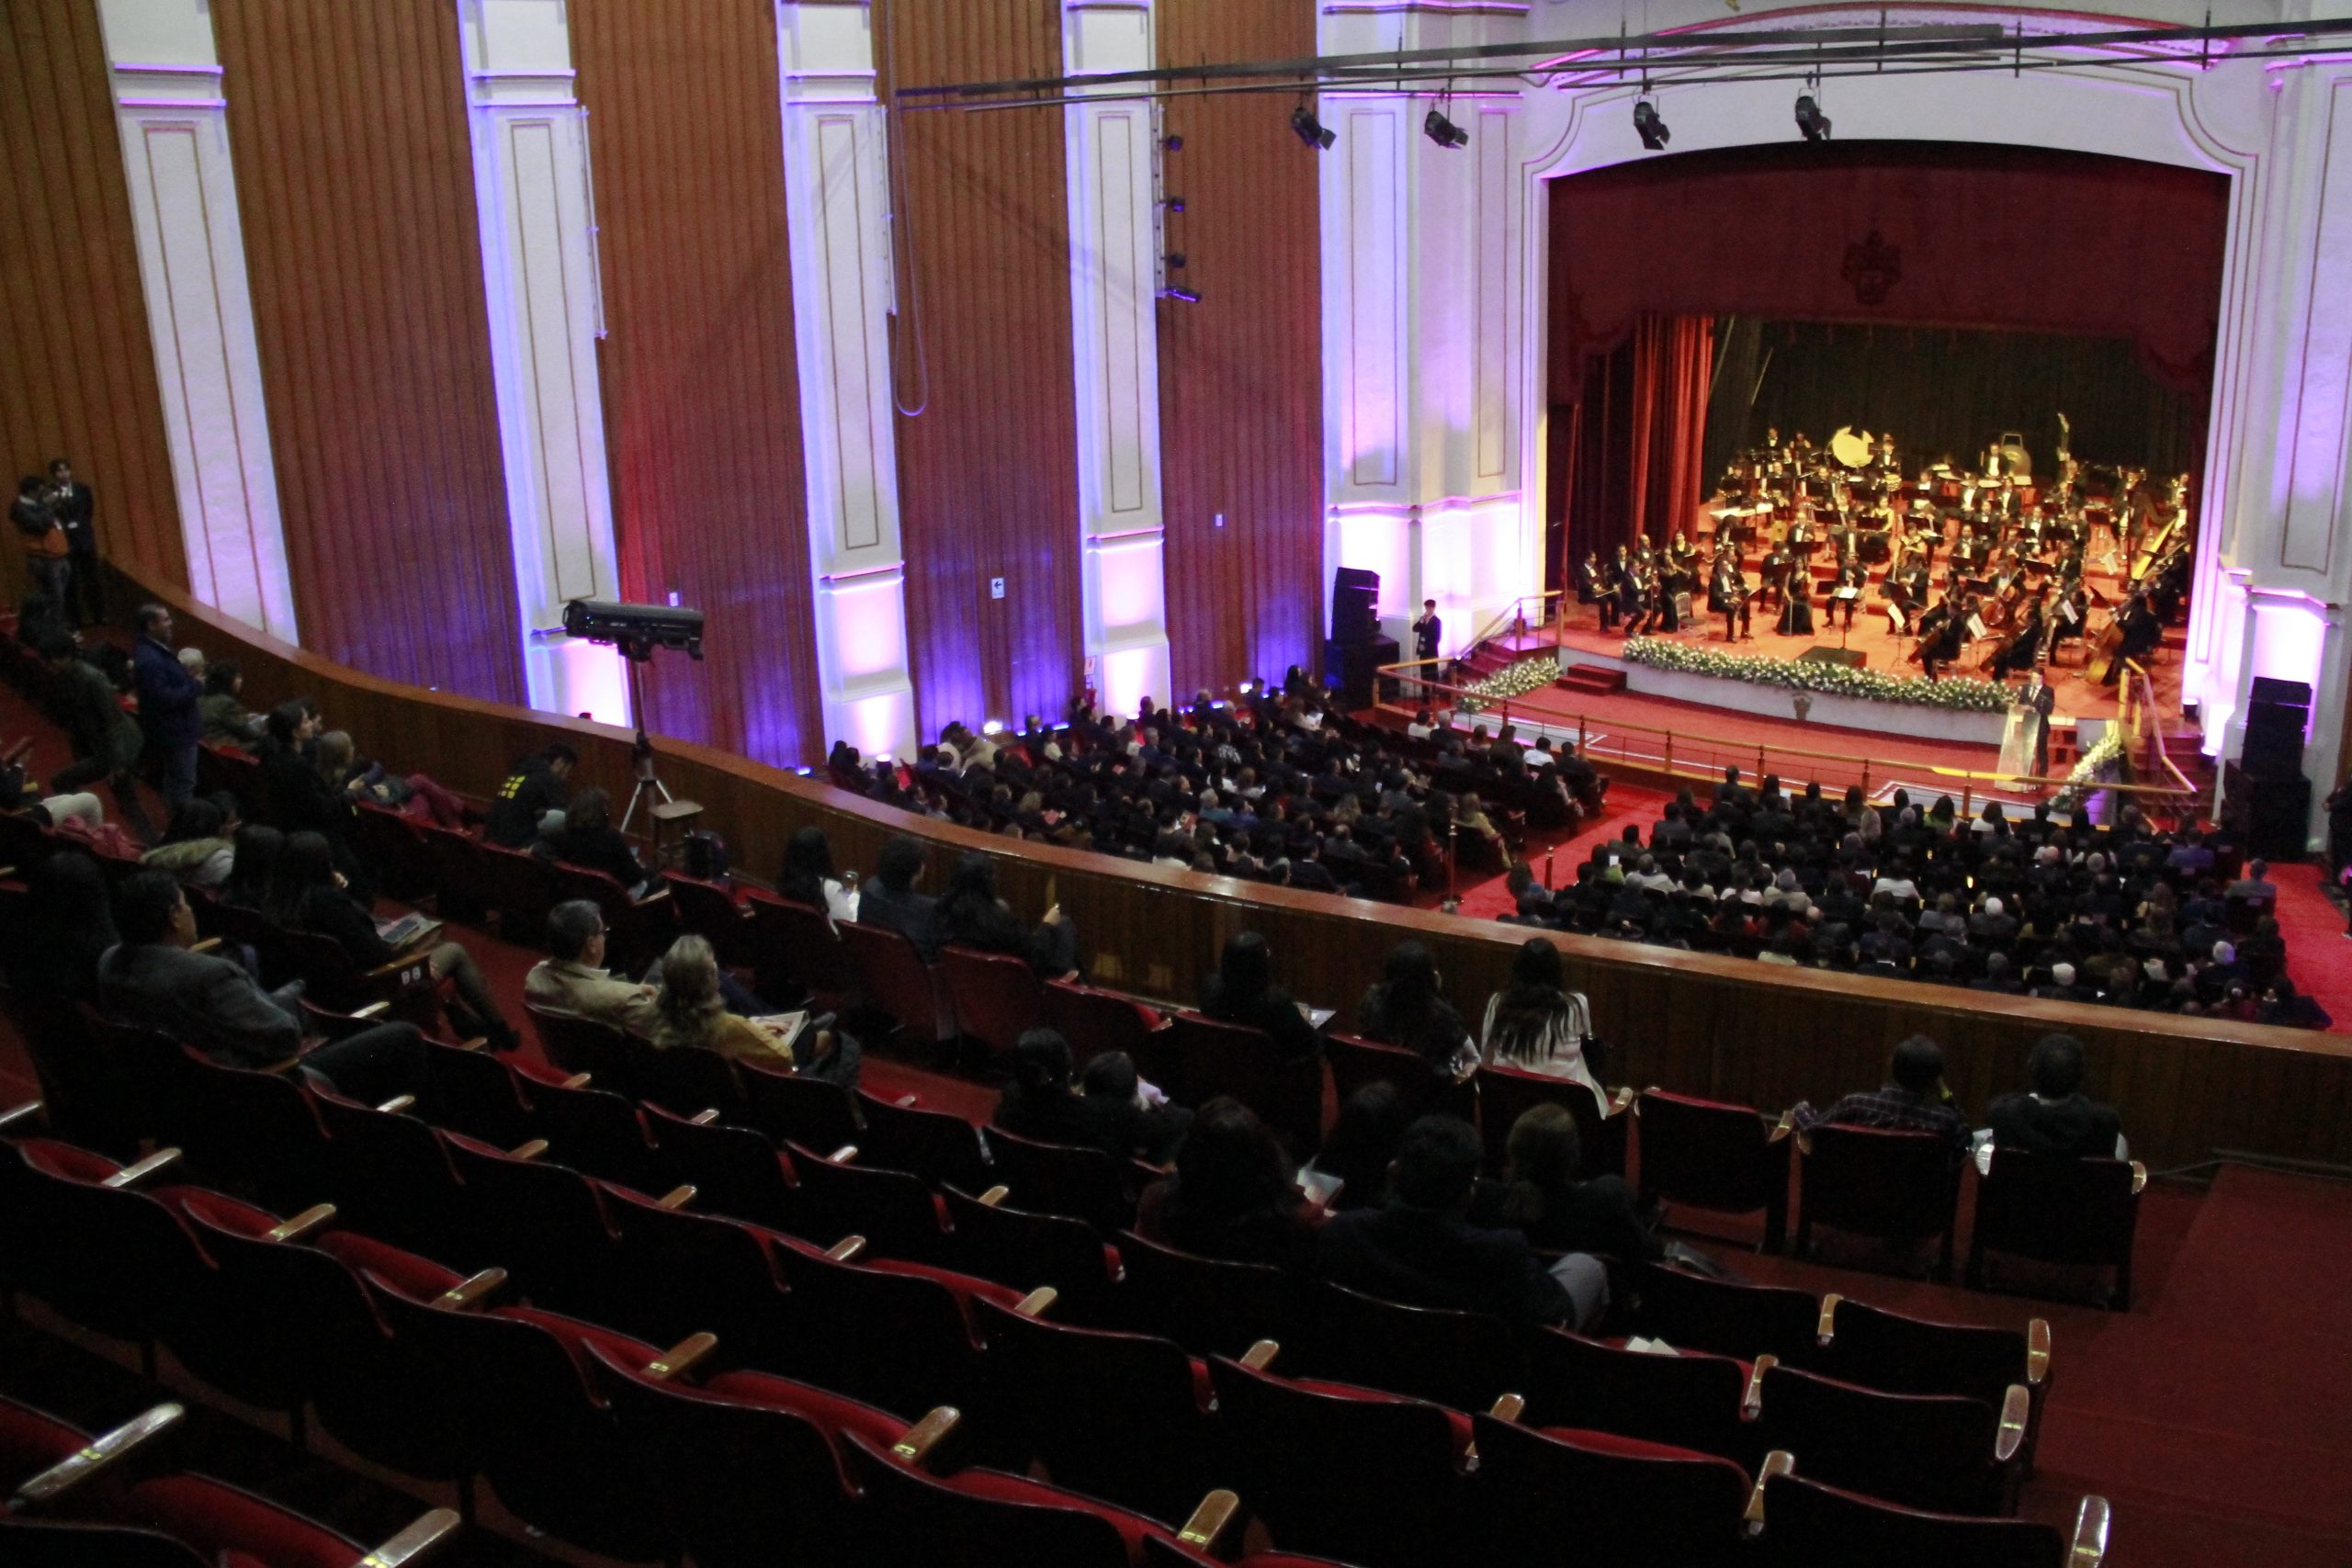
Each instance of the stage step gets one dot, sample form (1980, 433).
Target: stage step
(1593, 678)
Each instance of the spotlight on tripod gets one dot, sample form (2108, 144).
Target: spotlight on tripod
(637, 631)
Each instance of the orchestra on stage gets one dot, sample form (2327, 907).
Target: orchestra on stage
(1992, 563)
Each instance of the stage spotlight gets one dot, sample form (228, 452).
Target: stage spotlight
(1186, 295)
(1653, 130)
(1443, 131)
(1810, 119)
(1309, 129)
(1176, 260)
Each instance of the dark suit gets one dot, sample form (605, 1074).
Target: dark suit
(74, 508)
(1434, 1257)
(908, 913)
(213, 1005)
(167, 712)
(2076, 1127)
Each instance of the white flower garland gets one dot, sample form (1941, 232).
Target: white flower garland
(1964, 694)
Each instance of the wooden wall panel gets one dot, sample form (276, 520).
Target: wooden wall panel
(77, 368)
(988, 471)
(1698, 1024)
(702, 399)
(1241, 372)
(355, 182)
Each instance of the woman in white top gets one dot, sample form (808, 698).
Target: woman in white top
(807, 876)
(1536, 1024)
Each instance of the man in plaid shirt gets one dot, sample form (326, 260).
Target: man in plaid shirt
(1916, 1101)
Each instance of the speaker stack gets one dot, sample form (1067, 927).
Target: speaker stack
(1356, 649)
(2265, 795)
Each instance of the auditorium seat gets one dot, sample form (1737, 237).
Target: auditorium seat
(710, 910)
(1729, 1318)
(1809, 1524)
(521, 888)
(1119, 1416)
(1095, 1021)
(735, 1171)
(808, 1111)
(637, 931)
(2081, 1213)
(1715, 1156)
(1359, 1064)
(1463, 1359)
(1062, 1178)
(1204, 1058)
(87, 1240)
(257, 1131)
(681, 1266)
(542, 1221)
(72, 1513)
(1899, 1354)
(1209, 1306)
(940, 1147)
(594, 1130)
(1690, 1400)
(262, 1273)
(898, 1335)
(469, 1090)
(688, 1079)
(892, 982)
(577, 1045)
(1346, 1472)
(84, 1097)
(330, 975)
(389, 844)
(995, 996)
(1538, 1494)
(897, 1214)
(393, 1178)
(995, 1239)
(1901, 1190)
(796, 953)
(461, 872)
(1941, 1452)
(1504, 1094)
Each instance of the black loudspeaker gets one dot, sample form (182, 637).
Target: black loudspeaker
(1356, 593)
(1356, 663)
(2271, 816)
(2270, 689)
(2273, 750)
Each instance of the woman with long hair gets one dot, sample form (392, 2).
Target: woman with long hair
(192, 849)
(807, 876)
(1536, 1024)
(971, 913)
(1233, 1195)
(589, 840)
(1408, 1008)
(253, 867)
(1242, 990)
(690, 1013)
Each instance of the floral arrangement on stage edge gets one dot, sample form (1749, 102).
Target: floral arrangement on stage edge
(2096, 766)
(1533, 673)
(1962, 693)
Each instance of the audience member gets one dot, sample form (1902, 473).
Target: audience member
(689, 1013)
(1420, 1248)
(227, 721)
(587, 838)
(890, 899)
(252, 867)
(69, 925)
(1913, 1100)
(807, 876)
(534, 786)
(971, 914)
(192, 849)
(1242, 990)
(1232, 1195)
(572, 978)
(103, 738)
(1041, 1103)
(167, 699)
(1541, 1195)
(1132, 1118)
(151, 980)
(2056, 1117)
(1408, 1008)
(1536, 1024)
(1350, 1170)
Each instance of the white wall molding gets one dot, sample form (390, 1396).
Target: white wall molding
(171, 112)
(1114, 283)
(836, 194)
(537, 210)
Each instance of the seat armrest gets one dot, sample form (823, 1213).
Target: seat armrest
(1261, 1354)
(678, 1197)
(1827, 1329)
(428, 1533)
(373, 1010)
(849, 1249)
(2037, 1352)
(845, 1155)
(209, 945)
(2089, 1547)
(132, 1175)
(2139, 1177)
(1779, 1462)
(1621, 1102)
(102, 1452)
(578, 1080)
(459, 1297)
(704, 1118)
(681, 1355)
(1780, 1129)
(2017, 1415)
(1209, 1521)
(1038, 1302)
(1751, 1405)
(996, 1195)
(531, 1150)
(28, 1112)
(1509, 1408)
(915, 1445)
(397, 1104)
(318, 1216)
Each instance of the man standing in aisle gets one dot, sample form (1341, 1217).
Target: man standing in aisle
(1427, 631)
(72, 503)
(167, 705)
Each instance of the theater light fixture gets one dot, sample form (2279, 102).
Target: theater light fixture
(1173, 203)
(1186, 295)
(1810, 119)
(1176, 259)
(1172, 144)
(1443, 131)
(1651, 128)
(1310, 130)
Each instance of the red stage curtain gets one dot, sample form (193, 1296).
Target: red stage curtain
(1630, 443)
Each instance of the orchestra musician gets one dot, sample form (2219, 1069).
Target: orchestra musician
(2022, 648)
(1853, 577)
(1729, 596)
(1778, 565)
(1944, 632)
(1681, 553)
(2135, 632)
(1593, 588)
(1796, 604)
(1625, 576)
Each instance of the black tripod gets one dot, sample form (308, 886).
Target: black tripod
(648, 783)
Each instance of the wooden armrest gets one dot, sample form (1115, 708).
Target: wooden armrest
(849, 1249)
(678, 1197)
(1039, 1302)
(1509, 1408)
(2139, 1177)
(1751, 1405)
(1779, 1462)
(996, 1195)
(457, 1297)
(1827, 1329)
(16, 1113)
(373, 1010)
(1621, 1103)
(915, 1445)
(845, 1155)
(652, 897)
(101, 1452)
(479, 1042)
(425, 1535)
(208, 945)
(316, 1217)
(2037, 1352)
(1260, 1356)
(279, 1069)
(1209, 1521)
(681, 1355)
(132, 1175)
(2017, 1413)
(397, 1104)
(531, 1150)
(1783, 1129)
(2089, 1547)
(704, 1118)
(577, 1080)
(908, 1101)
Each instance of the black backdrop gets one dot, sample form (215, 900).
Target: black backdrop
(1950, 391)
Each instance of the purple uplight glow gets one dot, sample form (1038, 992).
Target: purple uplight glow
(2289, 636)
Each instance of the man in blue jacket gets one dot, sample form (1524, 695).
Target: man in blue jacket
(167, 704)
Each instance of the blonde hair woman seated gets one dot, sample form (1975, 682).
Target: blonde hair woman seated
(690, 1014)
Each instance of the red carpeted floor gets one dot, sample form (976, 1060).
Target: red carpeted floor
(2318, 955)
